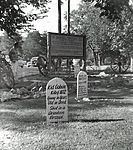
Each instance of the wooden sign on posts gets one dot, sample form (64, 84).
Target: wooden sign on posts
(82, 85)
(56, 101)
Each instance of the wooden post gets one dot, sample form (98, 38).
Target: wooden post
(68, 17)
(59, 25)
(59, 16)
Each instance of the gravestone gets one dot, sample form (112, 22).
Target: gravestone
(131, 64)
(82, 85)
(56, 101)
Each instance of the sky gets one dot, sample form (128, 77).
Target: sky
(50, 23)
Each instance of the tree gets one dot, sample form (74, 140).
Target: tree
(34, 44)
(104, 34)
(86, 21)
(112, 9)
(7, 43)
(13, 17)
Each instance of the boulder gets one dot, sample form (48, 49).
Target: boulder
(5, 96)
(6, 74)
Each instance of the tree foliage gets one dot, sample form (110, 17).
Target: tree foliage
(112, 9)
(34, 44)
(103, 34)
(13, 17)
(6, 43)
(85, 20)
(120, 12)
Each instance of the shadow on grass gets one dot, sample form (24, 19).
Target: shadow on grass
(96, 120)
(117, 93)
(35, 109)
(98, 104)
(38, 103)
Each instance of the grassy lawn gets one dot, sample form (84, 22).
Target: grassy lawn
(103, 123)
(99, 124)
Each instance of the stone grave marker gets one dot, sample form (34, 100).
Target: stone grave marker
(82, 85)
(56, 101)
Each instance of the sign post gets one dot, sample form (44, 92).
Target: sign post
(56, 101)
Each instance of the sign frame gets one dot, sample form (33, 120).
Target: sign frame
(57, 41)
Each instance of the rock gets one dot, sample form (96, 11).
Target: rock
(8, 96)
(86, 99)
(6, 74)
(103, 74)
(13, 91)
(23, 91)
